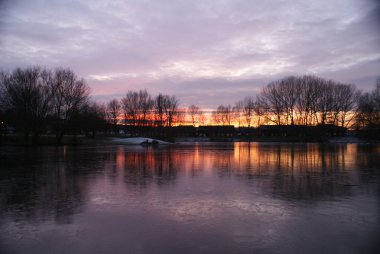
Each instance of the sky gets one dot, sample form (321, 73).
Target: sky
(205, 52)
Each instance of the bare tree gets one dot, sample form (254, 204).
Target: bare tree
(223, 115)
(273, 102)
(90, 118)
(369, 109)
(2, 91)
(44, 104)
(28, 98)
(308, 100)
(216, 117)
(145, 106)
(309, 90)
(166, 110)
(194, 113)
(345, 101)
(259, 109)
(113, 112)
(172, 112)
(137, 107)
(202, 118)
(69, 95)
(180, 116)
(237, 112)
(325, 103)
(131, 107)
(248, 110)
(288, 88)
(159, 109)
(2, 101)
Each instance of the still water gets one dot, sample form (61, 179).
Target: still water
(191, 198)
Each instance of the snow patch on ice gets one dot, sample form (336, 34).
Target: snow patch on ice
(139, 141)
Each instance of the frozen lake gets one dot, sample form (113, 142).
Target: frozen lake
(191, 198)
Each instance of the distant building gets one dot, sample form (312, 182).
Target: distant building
(327, 130)
(216, 131)
(184, 131)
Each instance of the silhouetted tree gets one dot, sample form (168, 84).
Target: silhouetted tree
(130, 106)
(28, 96)
(289, 91)
(324, 103)
(202, 118)
(259, 109)
(159, 109)
(172, 112)
(180, 116)
(90, 118)
(223, 115)
(69, 95)
(248, 109)
(113, 112)
(145, 106)
(194, 113)
(345, 104)
(309, 100)
(309, 91)
(368, 116)
(2, 91)
(137, 107)
(271, 98)
(2, 105)
(237, 111)
(166, 110)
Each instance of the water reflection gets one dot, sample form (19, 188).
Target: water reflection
(45, 183)
(54, 181)
(247, 194)
(296, 170)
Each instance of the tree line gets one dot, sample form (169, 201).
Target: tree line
(34, 99)
(139, 108)
(305, 100)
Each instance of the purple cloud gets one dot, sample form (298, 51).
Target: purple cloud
(207, 52)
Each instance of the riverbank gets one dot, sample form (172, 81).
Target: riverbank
(347, 140)
(49, 140)
(41, 140)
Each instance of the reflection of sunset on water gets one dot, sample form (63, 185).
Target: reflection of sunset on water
(120, 158)
(300, 170)
(242, 193)
(252, 158)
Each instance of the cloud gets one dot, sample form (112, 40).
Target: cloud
(212, 51)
